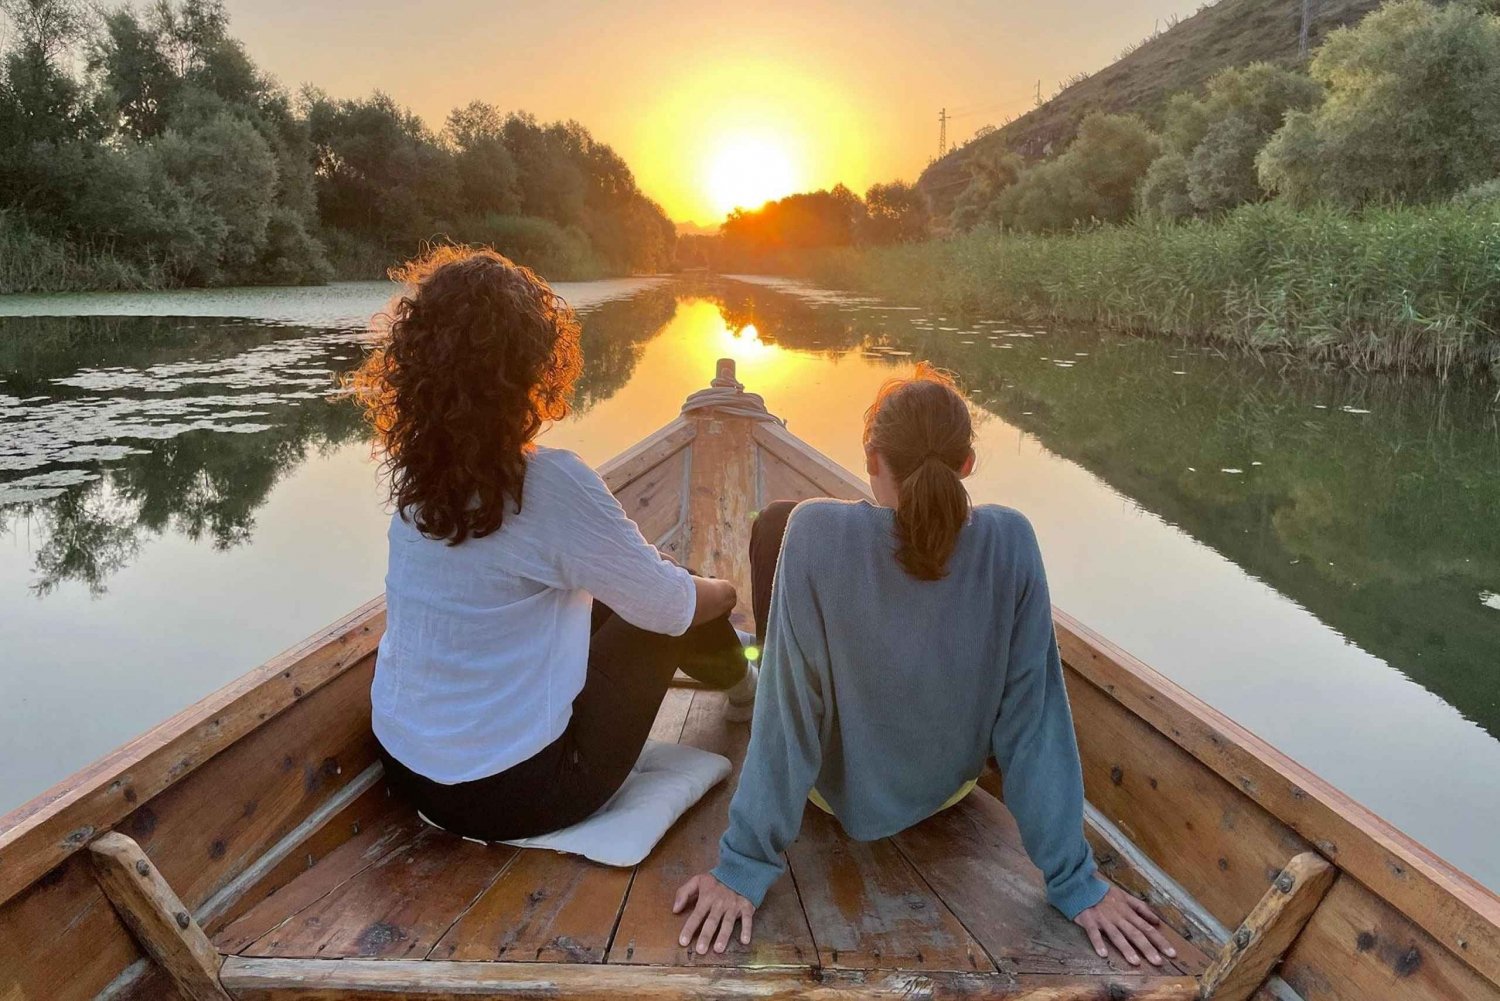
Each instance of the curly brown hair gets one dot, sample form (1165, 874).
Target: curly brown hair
(474, 359)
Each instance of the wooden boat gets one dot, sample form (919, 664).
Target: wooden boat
(247, 848)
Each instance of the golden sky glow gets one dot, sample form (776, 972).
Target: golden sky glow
(738, 132)
(711, 105)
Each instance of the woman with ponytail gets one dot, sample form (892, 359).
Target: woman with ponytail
(905, 642)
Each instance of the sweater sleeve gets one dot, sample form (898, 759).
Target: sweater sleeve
(786, 748)
(1035, 745)
(598, 549)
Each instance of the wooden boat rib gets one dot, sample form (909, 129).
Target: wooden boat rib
(247, 847)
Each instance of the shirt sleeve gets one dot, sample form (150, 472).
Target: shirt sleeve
(598, 549)
(786, 747)
(1037, 750)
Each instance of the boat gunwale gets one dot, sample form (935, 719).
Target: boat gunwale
(1390, 863)
(250, 977)
(45, 831)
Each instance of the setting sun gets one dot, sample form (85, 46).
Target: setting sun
(748, 171)
(721, 133)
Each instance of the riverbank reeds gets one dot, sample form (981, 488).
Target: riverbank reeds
(1386, 288)
(33, 262)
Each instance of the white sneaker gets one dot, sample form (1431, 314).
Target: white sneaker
(741, 705)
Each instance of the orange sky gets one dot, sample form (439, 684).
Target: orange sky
(711, 104)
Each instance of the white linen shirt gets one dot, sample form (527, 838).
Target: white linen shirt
(486, 643)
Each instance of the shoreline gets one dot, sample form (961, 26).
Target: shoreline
(1393, 290)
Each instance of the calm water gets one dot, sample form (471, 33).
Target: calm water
(182, 495)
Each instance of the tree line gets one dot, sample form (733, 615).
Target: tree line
(888, 214)
(145, 148)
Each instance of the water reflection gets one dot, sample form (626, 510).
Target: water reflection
(117, 429)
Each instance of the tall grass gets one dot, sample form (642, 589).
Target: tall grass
(33, 262)
(1387, 288)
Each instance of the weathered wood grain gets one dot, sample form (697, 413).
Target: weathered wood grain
(1218, 844)
(546, 907)
(397, 908)
(971, 855)
(1139, 884)
(360, 800)
(38, 836)
(1261, 940)
(217, 821)
(357, 980)
(647, 933)
(1357, 947)
(60, 940)
(722, 497)
(869, 909)
(144, 981)
(1451, 906)
(672, 716)
(200, 832)
(656, 499)
(619, 471)
(778, 481)
(158, 918)
(832, 479)
(378, 826)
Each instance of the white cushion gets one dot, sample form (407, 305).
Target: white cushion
(666, 780)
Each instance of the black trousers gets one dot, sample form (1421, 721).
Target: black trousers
(629, 671)
(766, 535)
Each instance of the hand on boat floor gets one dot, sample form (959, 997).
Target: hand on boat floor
(1130, 925)
(712, 920)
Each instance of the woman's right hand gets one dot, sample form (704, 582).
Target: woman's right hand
(716, 599)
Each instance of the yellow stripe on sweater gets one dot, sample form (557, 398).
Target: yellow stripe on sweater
(817, 800)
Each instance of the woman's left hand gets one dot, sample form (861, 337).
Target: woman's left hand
(714, 916)
(1128, 924)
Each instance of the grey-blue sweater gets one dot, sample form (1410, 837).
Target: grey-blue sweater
(888, 693)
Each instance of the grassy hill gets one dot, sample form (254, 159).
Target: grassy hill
(1221, 35)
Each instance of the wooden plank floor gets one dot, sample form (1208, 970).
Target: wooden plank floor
(954, 894)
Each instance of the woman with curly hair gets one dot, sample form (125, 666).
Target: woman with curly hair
(531, 631)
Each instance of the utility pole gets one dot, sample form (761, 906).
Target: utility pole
(1039, 93)
(1302, 38)
(943, 132)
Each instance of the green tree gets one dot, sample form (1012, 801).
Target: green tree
(805, 221)
(1210, 142)
(549, 182)
(1093, 180)
(486, 170)
(991, 171)
(1221, 172)
(1164, 190)
(380, 172)
(1410, 115)
(164, 153)
(135, 75)
(894, 213)
(40, 102)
